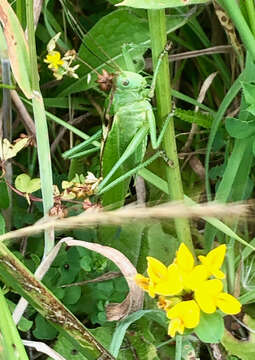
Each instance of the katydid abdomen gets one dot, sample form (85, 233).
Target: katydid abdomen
(126, 123)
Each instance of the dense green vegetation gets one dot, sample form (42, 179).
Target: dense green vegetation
(116, 122)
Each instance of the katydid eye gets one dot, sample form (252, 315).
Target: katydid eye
(125, 83)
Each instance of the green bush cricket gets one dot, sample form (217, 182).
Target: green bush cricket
(126, 141)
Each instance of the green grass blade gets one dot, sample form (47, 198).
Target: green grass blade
(13, 347)
(65, 124)
(219, 225)
(231, 94)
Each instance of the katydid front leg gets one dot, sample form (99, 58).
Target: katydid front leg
(154, 79)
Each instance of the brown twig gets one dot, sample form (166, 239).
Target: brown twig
(195, 53)
(24, 114)
(105, 277)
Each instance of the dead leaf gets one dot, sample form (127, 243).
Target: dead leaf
(17, 47)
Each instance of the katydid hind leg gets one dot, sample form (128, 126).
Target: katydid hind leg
(130, 173)
(131, 148)
(155, 142)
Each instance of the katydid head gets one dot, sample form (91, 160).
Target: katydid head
(130, 81)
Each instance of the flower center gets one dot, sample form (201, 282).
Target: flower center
(188, 296)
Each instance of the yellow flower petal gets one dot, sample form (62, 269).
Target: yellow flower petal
(172, 284)
(142, 281)
(187, 311)
(205, 302)
(184, 258)
(206, 295)
(54, 59)
(176, 325)
(228, 304)
(156, 270)
(197, 276)
(218, 274)
(214, 260)
(145, 283)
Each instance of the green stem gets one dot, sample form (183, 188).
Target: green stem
(157, 24)
(251, 14)
(42, 136)
(178, 347)
(234, 12)
(13, 347)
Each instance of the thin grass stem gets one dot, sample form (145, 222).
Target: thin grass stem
(42, 136)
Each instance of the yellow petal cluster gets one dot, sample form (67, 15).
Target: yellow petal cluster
(60, 66)
(186, 289)
(54, 60)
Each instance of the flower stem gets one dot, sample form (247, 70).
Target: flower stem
(178, 347)
(157, 24)
(42, 137)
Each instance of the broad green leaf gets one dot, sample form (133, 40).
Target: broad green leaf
(251, 109)
(245, 350)
(72, 295)
(67, 349)
(159, 4)
(17, 47)
(249, 92)
(210, 328)
(122, 327)
(111, 31)
(158, 244)
(123, 238)
(240, 129)
(25, 184)
(44, 330)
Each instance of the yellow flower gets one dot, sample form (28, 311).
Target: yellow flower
(54, 60)
(191, 275)
(197, 276)
(214, 260)
(164, 280)
(209, 296)
(184, 259)
(167, 303)
(145, 284)
(185, 314)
